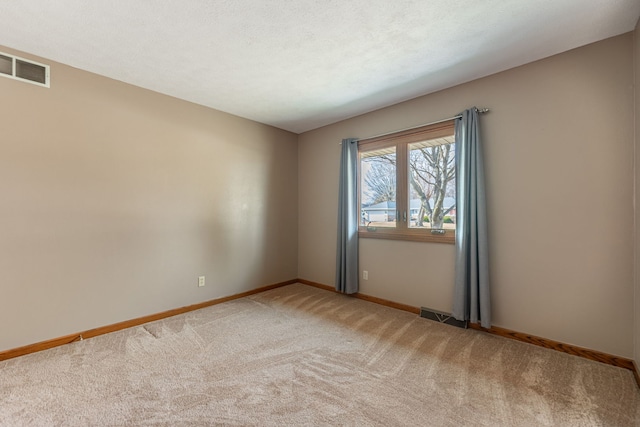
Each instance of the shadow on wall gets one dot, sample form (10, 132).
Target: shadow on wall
(253, 226)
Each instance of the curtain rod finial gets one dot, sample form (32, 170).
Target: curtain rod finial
(482, 110)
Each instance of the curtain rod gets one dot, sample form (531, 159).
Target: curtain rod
(479, 110)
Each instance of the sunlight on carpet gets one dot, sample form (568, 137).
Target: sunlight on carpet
(298, 355)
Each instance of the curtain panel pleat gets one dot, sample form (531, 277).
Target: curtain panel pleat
(347, 251)
(471, 300)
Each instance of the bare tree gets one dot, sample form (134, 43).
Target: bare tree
(432, 177)
(380, 181)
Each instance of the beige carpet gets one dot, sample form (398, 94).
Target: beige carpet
(300, 356)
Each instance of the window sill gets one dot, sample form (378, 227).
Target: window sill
(410, 235)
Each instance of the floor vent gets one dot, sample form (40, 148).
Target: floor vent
(441, 317)
(23, 69)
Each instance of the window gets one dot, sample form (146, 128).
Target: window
(407, 187)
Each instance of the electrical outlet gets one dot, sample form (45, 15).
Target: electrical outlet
(365, 275)
(201, 281)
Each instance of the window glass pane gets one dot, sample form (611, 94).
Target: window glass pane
(378, 188)
(6, 65)
(432, 184)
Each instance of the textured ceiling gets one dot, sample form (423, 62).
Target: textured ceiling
(302, 64)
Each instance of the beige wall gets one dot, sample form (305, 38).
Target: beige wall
(636, 308)
(115, 199)
(559, 160)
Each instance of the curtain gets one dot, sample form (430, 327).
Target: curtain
(347, 253)
(471, 300)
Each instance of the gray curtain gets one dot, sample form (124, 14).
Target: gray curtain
(471, 300)
(347, 253)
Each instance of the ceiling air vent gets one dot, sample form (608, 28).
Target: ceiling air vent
(23, 69)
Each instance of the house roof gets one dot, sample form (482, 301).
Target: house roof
(302, 64)
(413, 204)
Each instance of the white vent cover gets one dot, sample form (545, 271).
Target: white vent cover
(23, 69)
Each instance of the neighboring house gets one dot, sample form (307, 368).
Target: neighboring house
(380, 212)
(386, 211)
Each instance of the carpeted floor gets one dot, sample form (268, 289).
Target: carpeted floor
(301, 356)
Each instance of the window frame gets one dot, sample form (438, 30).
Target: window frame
(401, 141)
